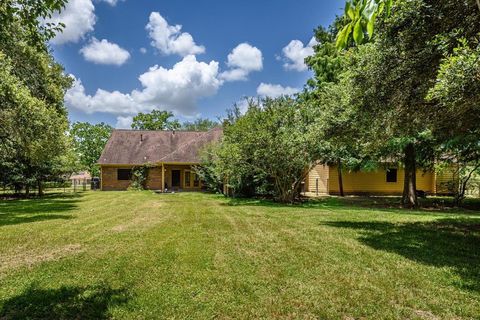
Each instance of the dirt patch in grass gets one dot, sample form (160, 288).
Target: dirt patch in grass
(29, 259)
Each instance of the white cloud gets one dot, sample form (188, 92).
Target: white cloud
(79, 19)
(104, 52)
(295, 53)
(143, 50)
(177, 89)
(275, 90)
(169, 39)
(113, 3)
(243, 59)
(124, 122)
(113, 102)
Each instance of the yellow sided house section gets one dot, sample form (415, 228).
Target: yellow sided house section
(169, 155)
(323, 179)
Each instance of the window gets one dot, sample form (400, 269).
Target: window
(196, 180)
(391, 175)
(187, 179)
(124, 174)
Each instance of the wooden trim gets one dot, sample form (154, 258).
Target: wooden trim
(163, 178)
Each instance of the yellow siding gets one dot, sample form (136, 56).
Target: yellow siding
(446, 181)
(318, 173)
(375, 182)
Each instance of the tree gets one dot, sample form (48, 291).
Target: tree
(155, 120)
(199, 125)
(390, 77)
(336, 125)
(271, 148)
(456, 95)
(32, 87)
(89, 142)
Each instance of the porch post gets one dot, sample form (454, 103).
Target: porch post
(163, 178)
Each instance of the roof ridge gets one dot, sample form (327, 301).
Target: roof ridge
(169, 131)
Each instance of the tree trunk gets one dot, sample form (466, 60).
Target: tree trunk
(27, 190)
(409, 198)
(340, 178)
(40, 188)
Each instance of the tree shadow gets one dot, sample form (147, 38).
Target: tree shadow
(91, 302)
(39, 209)
(451, 243)
(437, 207)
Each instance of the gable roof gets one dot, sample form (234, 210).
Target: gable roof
(138, 147)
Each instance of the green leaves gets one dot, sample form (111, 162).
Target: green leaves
(361, 16)
(358, 32)
(89, 141)
(155, 120)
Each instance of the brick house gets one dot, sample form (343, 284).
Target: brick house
(171, 155)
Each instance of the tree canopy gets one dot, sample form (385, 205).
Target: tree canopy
(89, 142)
(34, 144)
(155, 120)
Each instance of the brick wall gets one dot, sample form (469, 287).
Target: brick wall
(109, 179)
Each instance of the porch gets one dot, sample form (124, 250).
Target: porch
(173, 177)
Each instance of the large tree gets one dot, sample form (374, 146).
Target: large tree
(89, 141)
(271, 148)
(32, 86)
(393, 75)
(155, 120)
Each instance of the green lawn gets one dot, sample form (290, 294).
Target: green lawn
(140, 255)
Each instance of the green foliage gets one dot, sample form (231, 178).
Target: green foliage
(209, 171)
(155, 120)
(27, 17)
(199, 125)
(34, 146)
(270, 149)
(89, 142)
(361, 16)
(408, 95)
(139, 177)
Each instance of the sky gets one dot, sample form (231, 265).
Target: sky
(195, 58)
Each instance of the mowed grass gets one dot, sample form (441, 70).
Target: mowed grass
(140, 255)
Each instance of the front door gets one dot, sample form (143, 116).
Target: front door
(175, 178)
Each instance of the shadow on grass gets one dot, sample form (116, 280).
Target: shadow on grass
(432, 206)
(38, 209)
(452, 243)
(64, 303)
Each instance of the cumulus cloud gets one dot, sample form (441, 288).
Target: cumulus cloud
(295, 53)
(243, 60)
(143, 50)
(113, 102)
(275, 90)
(79, 19)
(104, 52)
(177, 89)
(169, 39)
(124, 122)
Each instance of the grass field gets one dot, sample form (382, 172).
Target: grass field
(140, 255)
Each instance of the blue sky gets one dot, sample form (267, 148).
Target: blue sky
(194, 58)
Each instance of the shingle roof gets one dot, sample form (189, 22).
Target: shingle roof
(139, 147)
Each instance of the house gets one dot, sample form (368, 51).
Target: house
(323, 179)
(79, 178)
(171, 155)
